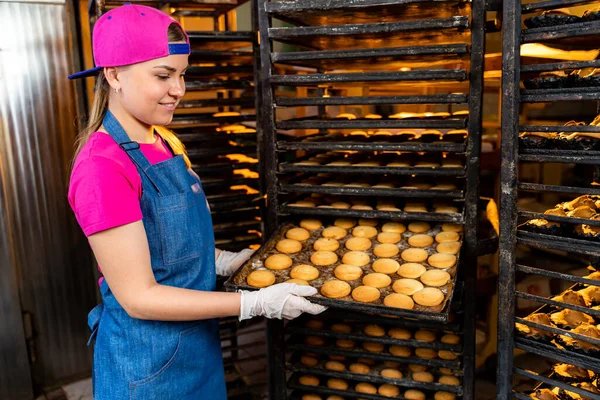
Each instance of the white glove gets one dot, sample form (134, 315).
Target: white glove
(277, 301)
(228, 262)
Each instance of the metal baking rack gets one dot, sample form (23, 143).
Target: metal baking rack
(575, 36)
(550, 382)
(362, 53)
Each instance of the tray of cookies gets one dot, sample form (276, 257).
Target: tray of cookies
(367, 265)
(585, 139)
(565, 382)
(311, 387)
(411, 376)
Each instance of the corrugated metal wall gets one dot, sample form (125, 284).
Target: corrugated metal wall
(38, 114)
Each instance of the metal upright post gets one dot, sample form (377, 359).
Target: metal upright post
(511, 64)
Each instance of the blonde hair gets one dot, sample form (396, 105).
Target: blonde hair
(100, 106)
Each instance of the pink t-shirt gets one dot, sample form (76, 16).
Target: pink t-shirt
(105, 186)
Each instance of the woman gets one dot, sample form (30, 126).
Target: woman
(148, 223)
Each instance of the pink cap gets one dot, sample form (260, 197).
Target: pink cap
(131, 34)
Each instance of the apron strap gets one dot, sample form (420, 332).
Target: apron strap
(114, 129)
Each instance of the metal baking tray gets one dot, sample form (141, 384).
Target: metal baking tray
(550, 382)
(438, 313)
(373, 377)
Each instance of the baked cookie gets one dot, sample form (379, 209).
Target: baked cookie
(435, 278)
(358, 244)
(400, 351)
(278, 262)
(444, 396)
(364, 387)
(386, 250)
(357, 258)
(447, 237)
(338, 384)
(407, 286)
(308, 361)
(368, 222)
(334, 232)
(311, 224)
(374, 330)
(309, 380)
(373, 347)
(299, 234)
(449, 380)
(417, 368)
(326, 244)
(359, 368)
(447, 355)
(411, 270)
(448, 248)
(340, 204)
(429, 297)
(425, 336)
(298, 282)
(450, 338)
(364, 232)
(361, 207)
(419, 227)
(399, 333)
(314, 340)
(341, 328)
(398, 300)
(391, 373)
(413, 255)
(365, 294)
(347, 272)
(385, 266)
(335, 289)
(304, 272)
(413, 394)
(323, 258)
(288, 246)
(377, 280)
(420, 240)
(388, 390)
(426, 353)
(442, 260)
(452, 228)
(260, 278)
(345, 223)
(389, 237)
(395, 227)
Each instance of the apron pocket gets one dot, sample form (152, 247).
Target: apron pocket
(180, 227)
(183, 373)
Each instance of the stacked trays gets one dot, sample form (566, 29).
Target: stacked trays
(217, 123)
(371, 359)
(372, 110)
(564, 328)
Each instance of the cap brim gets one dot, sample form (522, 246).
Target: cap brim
(86, 73)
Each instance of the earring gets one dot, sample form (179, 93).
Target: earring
(117, 90)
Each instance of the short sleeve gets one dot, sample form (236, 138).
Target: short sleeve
(103, 196)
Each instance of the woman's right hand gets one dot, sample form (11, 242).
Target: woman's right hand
(284, 300)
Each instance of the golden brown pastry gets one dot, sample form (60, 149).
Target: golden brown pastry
(426, 353)
(346, 272)
(308, 361)
(359, 368)
(395, 227)
(341, 328)
(365, 294)
(388, 390)
(450, 338)
(298, 282)
(423, 377)
(339, 384)
(373, 347)
(364, 232)
(417, 368)
(278, 262)
(448, 247)
(374, 330)
(345, 343)
(571, 297)
(442, 261)
(309, 380)
(435, 278)
(364, 387)
(386, 250)
(419, 227)
(304, 272)
(413, 394)
(572, 373)
(340, 204)
(447, 355)
(315, 324)
(399, 333)
(585, 330)
(429, 297)
(361, 207)
(311, 396)
(452, 228)
(385, 266)
(391, 373)
(538, 318)
(413, 255)
(420, 240)
(377, 280)
(591, 294)
(447, 237)
(444, 396)
(389, 237)
(398, 300)
(334, 232)
(407, 286)
(570, 318)
(411, 270)
(326, 244)
(449, 380)
(335, 357)
(345, 223)
(357, 258)
(425, 336)
(260, 278)
(335, 289)
(400, 351)
(392, 364)
(323, 258)
(358, 244)
(368, 222)
(314, 340)
(299, 234)
(288, 246)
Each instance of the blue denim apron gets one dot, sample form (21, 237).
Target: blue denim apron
(138, 359)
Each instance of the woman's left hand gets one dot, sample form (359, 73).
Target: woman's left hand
(228, 262)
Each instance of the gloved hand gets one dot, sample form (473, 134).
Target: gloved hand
(228, 262)
(284, 300)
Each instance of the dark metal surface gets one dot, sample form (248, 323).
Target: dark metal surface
(559, 66)
(561, 156)
(322, 123)
(373, 59)
(388, 34)
(336, 12)
(316, 79)
(552, 4)
(218, 84)
(557, 218)
(552, 383)
(368, 192)
(538, 240)
(558, 128)
(357, 100)
(569, 94)
(419, 171)
(581, 35)
(554, 353)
